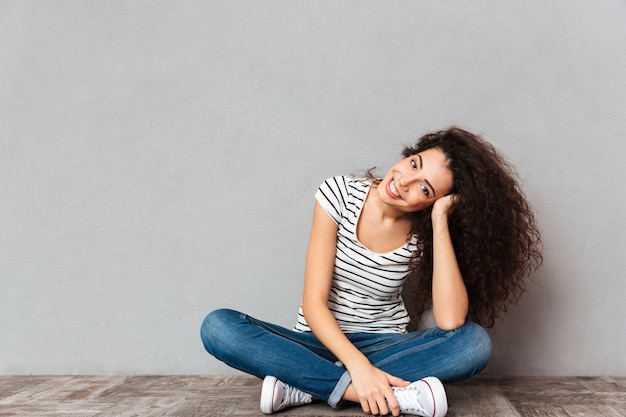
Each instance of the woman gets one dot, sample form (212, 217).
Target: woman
(447, 229)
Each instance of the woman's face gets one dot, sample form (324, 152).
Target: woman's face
(414, 183)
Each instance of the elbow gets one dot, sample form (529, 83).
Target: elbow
(448, 325)
(448, 322)
(450, 316)
(305, 308)
(310, 307)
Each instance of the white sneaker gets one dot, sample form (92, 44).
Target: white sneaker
(425, 397)
(276, 395)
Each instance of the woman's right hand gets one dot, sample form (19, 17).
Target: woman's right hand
(442, 206)
(373, 389)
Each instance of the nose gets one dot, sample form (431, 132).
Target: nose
(408, 180)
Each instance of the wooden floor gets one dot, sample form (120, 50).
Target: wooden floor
(195, 396)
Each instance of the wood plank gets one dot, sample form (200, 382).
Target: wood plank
(479, 401)
(553, 411)
(56, 410)
(591, 411)
(61, 389)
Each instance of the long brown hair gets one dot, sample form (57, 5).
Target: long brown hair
(495, 237)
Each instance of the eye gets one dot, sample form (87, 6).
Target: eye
(425, 190)
(413, 164)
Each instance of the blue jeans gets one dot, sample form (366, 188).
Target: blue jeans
(300, 360)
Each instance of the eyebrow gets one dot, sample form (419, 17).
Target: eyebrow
(425, 180)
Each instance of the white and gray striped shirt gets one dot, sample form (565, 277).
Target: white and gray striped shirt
(366, 286)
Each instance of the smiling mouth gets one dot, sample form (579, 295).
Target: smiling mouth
(392, 190)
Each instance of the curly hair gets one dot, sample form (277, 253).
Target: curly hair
(493, 230)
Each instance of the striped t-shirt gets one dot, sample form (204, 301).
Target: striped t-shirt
(366, 286)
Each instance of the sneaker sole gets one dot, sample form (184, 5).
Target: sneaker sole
(267, 394)
(438, 392)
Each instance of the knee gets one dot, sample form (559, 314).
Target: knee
(215, 327)
(478, 344)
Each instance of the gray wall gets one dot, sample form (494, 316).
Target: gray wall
(158, 160)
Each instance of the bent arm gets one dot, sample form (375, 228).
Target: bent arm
(450, 298)
(320, 261)
(370, 386)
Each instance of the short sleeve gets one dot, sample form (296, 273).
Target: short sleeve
(331, 195)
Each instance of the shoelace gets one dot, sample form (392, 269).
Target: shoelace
(294, 396)
(408, 399)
